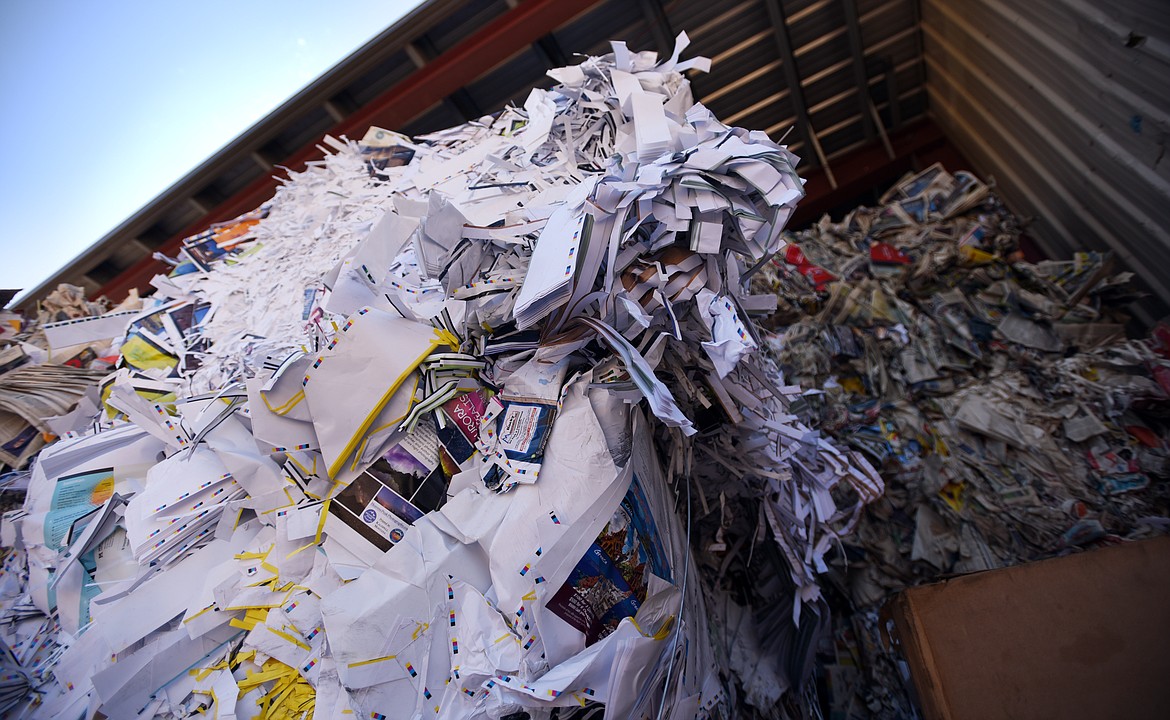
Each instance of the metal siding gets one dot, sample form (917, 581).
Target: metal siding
(1049, 99)
(833, 88)
(701, 17)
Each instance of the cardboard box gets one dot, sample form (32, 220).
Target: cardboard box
(1082, 636)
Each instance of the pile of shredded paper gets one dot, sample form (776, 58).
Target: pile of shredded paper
(545, 416)
(460, 426)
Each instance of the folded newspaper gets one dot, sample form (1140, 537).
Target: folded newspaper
(471, 425)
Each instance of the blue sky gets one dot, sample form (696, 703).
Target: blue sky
(103, 105)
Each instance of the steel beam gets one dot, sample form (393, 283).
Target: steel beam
(779, 19)
(860, 76)
(659, 26)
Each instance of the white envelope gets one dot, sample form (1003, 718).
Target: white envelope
(349, 384)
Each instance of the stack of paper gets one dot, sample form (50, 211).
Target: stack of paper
(555, 257)
(30, 395)
(650, 126)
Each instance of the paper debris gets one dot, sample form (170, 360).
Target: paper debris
(545, 415)
(380, 446)
(1009, 417)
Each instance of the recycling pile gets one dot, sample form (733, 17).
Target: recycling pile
(37, 387)
(1009, 415)
(471, 425)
